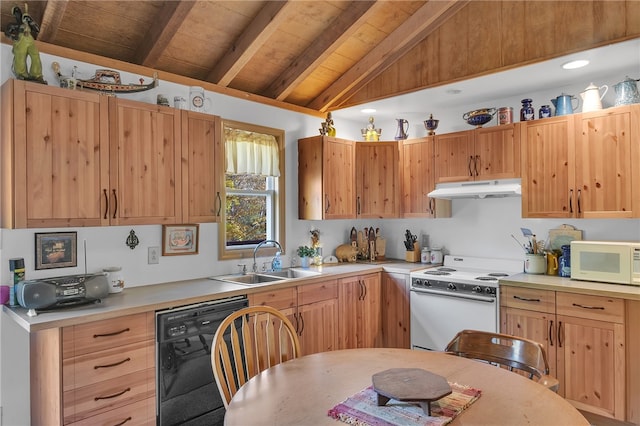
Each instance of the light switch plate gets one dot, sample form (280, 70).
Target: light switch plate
(154, 255)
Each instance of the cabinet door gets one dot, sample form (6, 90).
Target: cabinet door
(202, 169)
(497, 152)
(145, 168)
(60, 142)
(538, 326)
(591, 365)
(377, 188)
(417, 177)
(395, 311)
(548, 168)
(360, 314)
(338, 179)
(603, 164)
(454, 157)
(317, 324)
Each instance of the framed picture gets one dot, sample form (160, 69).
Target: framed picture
(179, 239)
(56, 250)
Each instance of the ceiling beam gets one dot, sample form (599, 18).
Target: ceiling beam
(166, 23)
(51, 18)
(252, 38)
(345, 25)
(424, 21)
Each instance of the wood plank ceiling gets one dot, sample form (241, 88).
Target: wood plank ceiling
(312, 54)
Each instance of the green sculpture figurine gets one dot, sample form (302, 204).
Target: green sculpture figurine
(23, 33)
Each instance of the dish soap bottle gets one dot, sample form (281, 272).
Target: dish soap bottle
(276, 263)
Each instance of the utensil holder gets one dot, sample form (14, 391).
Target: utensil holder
(413, 255)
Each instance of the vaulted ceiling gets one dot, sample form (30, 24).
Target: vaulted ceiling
(318, 55)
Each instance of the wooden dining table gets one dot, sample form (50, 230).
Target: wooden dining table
(302, 391)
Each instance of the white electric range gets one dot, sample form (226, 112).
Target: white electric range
(461, 294)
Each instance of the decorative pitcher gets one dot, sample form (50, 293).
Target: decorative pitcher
(403, 129)
(564, 104)
(591, 97)
(627, 92)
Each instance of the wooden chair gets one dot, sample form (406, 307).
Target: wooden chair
(248, 341)
(512, 352)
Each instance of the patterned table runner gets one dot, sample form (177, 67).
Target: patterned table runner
(362, 409)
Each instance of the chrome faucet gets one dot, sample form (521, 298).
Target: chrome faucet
(260, 244)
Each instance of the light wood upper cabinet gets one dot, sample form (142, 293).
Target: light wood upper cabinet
(326, 178)
(580, 165)
(55, 157)
(377, 180)
(481, 154)
(201, 165)
(417, 177)
(145, 169)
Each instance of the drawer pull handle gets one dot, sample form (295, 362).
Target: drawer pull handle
(115, 364)
(123, 422)
(524, 299)
(95, 336)
(588, 307)
(115, 395)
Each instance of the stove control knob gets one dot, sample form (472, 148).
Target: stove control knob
(489, 290)
(417, 282)
(452, 286)
(477, 289)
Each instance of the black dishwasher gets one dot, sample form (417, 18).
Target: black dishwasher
(186, 392)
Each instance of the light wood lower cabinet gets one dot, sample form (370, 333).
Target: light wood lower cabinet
(584, 336)
(108, 371)
(396, 315)
(312, 309)
(360, 312)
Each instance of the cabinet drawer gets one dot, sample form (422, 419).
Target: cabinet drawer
(141, 413)
(104, 365)
(312, 293)
(101, 397)
(284, 298)
(599, 308)
(528, 298)
(99, 335)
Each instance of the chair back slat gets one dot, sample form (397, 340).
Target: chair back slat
(257, 338)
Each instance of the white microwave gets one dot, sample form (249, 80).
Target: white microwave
(606, 261)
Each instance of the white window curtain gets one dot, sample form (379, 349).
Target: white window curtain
(251, 153)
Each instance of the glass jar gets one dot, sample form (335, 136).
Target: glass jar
(436, 255)
(425, 255)
(544, 111)
(565, 261)
(527, 112)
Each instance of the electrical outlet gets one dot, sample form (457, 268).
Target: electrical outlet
(154, 255)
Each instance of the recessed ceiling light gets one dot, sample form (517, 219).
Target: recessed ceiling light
(454, 91)
(368, 110)
(579, 63)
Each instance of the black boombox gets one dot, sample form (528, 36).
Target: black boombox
(60, 292)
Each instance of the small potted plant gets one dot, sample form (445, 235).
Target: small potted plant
(305, 253)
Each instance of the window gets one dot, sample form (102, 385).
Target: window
(253, 196)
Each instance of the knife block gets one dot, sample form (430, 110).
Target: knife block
(413, 255)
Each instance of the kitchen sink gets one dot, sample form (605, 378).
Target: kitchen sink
(292, 273)
(250, 279)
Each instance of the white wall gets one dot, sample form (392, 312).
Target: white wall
(478, 227)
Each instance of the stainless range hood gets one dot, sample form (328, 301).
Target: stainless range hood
(478, 189)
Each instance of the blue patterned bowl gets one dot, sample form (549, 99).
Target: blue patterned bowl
(479, 117)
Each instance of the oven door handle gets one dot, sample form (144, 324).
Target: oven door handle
(477, 298)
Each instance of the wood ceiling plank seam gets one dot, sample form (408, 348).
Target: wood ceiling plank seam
(426, 19)
(168, 20)
(51, 19)
(251, 39)
(342, 28)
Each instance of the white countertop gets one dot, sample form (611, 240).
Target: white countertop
(179, 293)
(555, 283)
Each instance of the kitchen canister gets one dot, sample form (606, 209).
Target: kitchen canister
(114, 278)
(436, 255)
(505, 115)
(565, 261)
(425, 255)
(535, 264)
